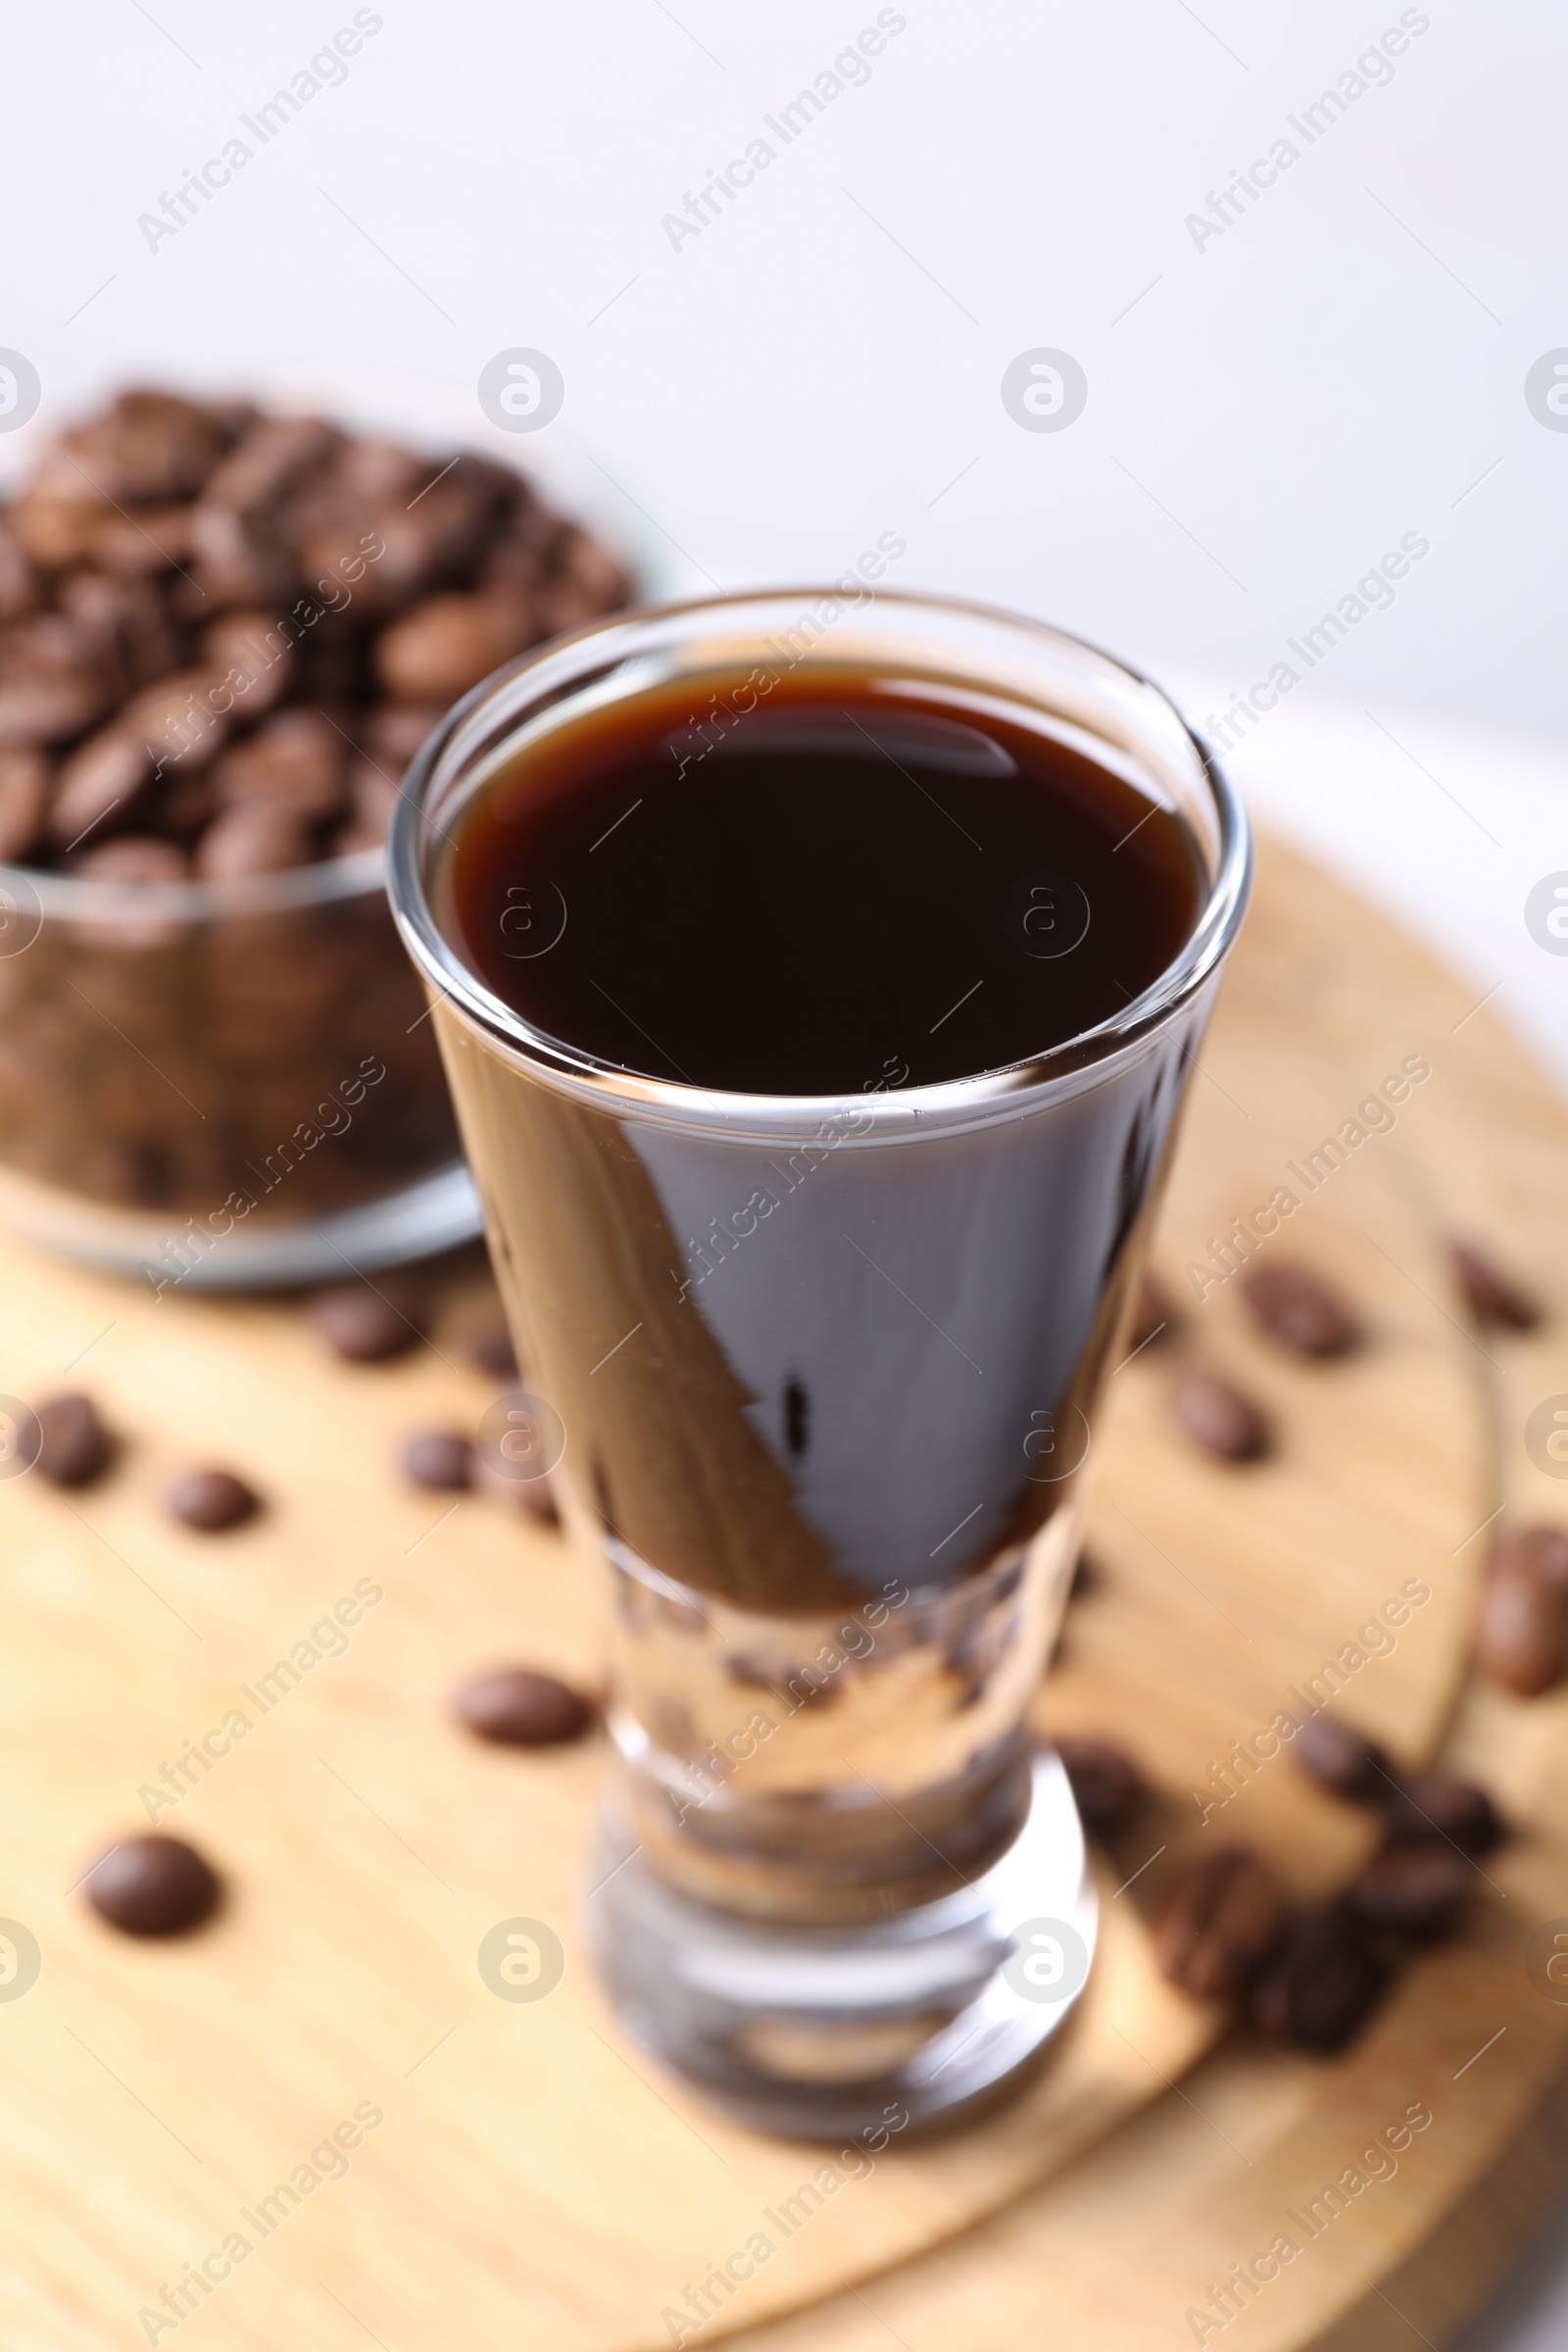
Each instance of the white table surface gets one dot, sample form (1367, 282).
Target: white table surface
(1268, 410)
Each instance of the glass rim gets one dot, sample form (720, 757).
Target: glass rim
(82, 898)
(1026, 1084)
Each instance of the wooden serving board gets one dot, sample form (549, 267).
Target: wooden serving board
(531, 2176)
(1118, 2251)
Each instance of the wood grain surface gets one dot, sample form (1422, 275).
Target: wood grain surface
(532, 2177)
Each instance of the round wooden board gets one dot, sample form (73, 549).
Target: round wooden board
(1120, 2250)
(533, 2177)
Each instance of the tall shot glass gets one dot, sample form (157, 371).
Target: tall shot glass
(816, 1379)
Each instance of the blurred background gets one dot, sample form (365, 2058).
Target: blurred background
(1258, 391)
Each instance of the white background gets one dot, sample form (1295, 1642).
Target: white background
(1266, 415)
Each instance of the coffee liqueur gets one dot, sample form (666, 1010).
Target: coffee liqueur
(798, 1373)
(817, 1023)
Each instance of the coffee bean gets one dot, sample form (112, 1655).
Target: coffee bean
(133, 857)
(76, 1448)
(1488, 1292)
(366, 1325)
(1522, 1631)
(1535, 1550)
(1107, 1785)
(295, 763)
(441, 1458)
(519, 1709)
(1436, 1805)
(24, 795)
(1219, 1918)
(491, 1351)
(1154, 1315)
(1322, 1981)
(101, 780)
(252, 838)
(212, 1500)
(1217, 1417)
(1420, 1889)
(449, 643)
(152, 1886)
(1299, 1310)
(1344, 1760)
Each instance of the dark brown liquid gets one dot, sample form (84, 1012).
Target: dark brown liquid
(807, 895)
(797, 1361)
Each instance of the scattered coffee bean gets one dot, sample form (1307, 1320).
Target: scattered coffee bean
(1420, 1889)
(1435, 1806)
(1321, 1982)
(152, 1886)
(1522, 1631)
(1154, 1316)
(76, 1448)
(1537, 1550)
(367, 1325)
(213, 1499)
(1299, 1310)
(491, 1351)
(1106, 1783)
(1344, 1760)
(1217, 1417)
(1488, 1293)
(1217, 1921)
(441, 1458)
(519, 1708)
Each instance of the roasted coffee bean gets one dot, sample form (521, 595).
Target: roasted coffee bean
(1107, 1786)
(1298, 1309)
(368, 1325)
(152, 445)
(294, 762)
(1489, 1295)
(519, 1708)
(1217, 1417)
(129, 619)
(1420, 1889)
(1154, 1315)
(252, 657)
(76, 1448)
(1344, 1759)
(449, 643)
(491, 1351)
(132, 857)
(1535, 1550)
(212, 1500)
(1436, 1805)
(19, 585)
(178, 720)
(1522, 1631)
(101, 780)
(441, 1458)
(1217, 1920)
(252, 839)
(396, 731)
(372, 800)
(23, 796)
(152, 1886)
(1321, 1982)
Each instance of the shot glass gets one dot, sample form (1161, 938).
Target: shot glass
(817, 1380)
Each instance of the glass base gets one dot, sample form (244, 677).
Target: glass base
(436, 1213)
(824, 2034)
